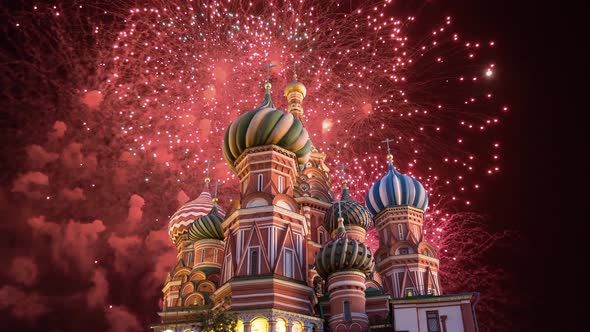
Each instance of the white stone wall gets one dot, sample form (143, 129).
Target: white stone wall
(413, 319)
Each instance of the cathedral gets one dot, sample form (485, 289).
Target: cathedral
(288, 257)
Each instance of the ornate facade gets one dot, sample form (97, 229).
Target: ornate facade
(287, 257)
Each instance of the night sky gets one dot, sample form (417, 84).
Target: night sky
(94, 255)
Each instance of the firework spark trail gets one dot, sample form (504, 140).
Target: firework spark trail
(153, 88)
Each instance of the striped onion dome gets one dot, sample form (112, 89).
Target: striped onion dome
(207, 227)
(266, 125)
(342, 254)
(354, 213)
(396, 189)
(188, 213)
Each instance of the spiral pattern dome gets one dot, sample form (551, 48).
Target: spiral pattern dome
(266, 125)
(342, 254)
(354, 213)
(181, 221)
(207, 227)
(396, 189)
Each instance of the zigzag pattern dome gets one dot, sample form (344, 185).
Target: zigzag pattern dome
(354, 213)
(342, 254)
(181, 221)
(266, 125)
(207, 227)
(396, 189)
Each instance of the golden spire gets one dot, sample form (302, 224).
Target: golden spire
(295, 93)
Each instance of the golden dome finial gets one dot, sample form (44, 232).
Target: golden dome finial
(295, 86)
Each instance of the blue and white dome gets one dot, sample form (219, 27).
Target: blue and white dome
(396, 189)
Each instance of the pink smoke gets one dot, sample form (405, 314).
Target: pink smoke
(24, 270)
(30, 184)
(39, 157)
(73, 243)
(97, 294)
(76, 194)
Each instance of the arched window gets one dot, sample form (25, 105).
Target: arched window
(321, 236)
(347, 316)
(254, 261)
(259, 325)
(260, 181)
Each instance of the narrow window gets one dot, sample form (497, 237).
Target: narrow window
(433, 321)
(254, 261)
(215, 256)
(280, 184)
(288, 264)
(347, 311)
(321, 236)
(409, 292)
(227, 267)
(203, 255)
(260, 181)
(400, 230)
(416, 232)
(189, 259)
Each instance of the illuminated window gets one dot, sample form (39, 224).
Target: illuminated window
(259, 325)
(254, 261)
(260, 181)
(297, 327)
(347, 316)
(400, 230)
(410, 291)
(281, 325)
(280, 184)
(240, 326)
(432, 321)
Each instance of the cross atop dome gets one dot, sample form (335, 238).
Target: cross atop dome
(207, 169)
(389, 155)
(267, 66)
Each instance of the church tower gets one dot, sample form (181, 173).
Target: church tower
(345, 263)
(407, 263)
(266, 254)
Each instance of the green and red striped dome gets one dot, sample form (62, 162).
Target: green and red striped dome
(354, 213)
(207, 227)
(341, 254)
(266, 125)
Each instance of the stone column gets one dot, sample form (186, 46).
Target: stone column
(247, 327)
(272, 325)
(289, 326)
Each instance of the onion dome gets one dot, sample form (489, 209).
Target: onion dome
(188, 213)
(396, 189)
(207, 227)
(354, 213)
(295, 86)
(266, 125)
(342, 254)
